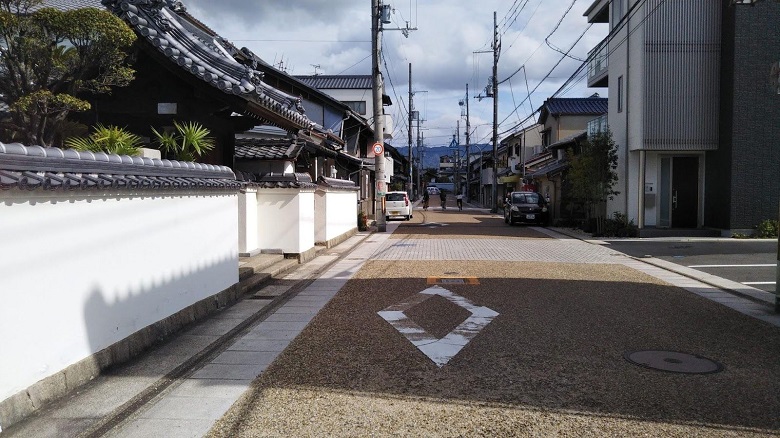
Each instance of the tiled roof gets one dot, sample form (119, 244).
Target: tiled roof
(208, 57)
(582, 135)
(334, 183)
(557, 106)
(338, 82)
(551, 169)
(267, 149)
(67, 5)
(588, 105)
(276, 180)
(36, 167)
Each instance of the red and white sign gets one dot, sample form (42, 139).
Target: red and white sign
(378, 148)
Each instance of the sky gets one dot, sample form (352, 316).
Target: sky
(334, 37)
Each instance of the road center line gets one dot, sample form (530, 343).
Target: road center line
(735, 266)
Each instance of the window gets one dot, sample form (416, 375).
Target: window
(358, 106)
(546, 138)
(620, 94)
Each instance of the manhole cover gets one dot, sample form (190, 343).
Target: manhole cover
(673, 361)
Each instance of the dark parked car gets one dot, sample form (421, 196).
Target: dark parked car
(526, 207)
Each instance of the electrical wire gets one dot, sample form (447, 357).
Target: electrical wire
(619, 26)
(353, 65)
(405, 111)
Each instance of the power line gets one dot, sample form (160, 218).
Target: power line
(557, 25)
(392, 86)
(622, 23)
(300, 41)
(353, 65)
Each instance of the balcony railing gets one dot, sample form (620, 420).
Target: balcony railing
(598, 60)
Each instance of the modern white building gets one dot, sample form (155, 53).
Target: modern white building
(692, 111)
(353, 90)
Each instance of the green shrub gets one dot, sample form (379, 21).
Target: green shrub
(189, 141)
(109, 139)
(619, 226)
(767, 229)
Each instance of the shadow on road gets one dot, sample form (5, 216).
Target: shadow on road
(552, 358)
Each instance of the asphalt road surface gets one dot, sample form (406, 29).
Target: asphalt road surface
(748, 261)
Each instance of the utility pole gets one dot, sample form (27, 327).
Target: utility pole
(379, 140)
(409, 185)
(457, 159)
(468, 143)
(419, 156)
(496, 49)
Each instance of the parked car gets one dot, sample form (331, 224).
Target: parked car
(397, 204)
(433, 191)
(526, 207)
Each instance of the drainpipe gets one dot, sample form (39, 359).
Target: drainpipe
(641, 203)
(628, 121)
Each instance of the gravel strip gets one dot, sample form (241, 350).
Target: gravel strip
(551, 363)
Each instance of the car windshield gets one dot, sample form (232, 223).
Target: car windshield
(396, 196)
(527, 198)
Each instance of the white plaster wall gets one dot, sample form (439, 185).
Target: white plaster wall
(336, 213)
(285, 220)
(247, 221)
(82, 270)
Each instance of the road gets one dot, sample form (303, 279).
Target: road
(544, 353)
(750, 262)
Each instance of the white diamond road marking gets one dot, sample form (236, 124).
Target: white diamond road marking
(440, 351)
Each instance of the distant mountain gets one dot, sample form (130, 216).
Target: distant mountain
(432, 154)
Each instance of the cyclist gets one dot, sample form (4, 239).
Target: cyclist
(426, 198)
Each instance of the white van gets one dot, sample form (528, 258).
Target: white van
(397, 204)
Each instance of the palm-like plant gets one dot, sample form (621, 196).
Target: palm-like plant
(109, 139)
(187, 143)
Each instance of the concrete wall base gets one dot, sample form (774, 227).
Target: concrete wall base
(338, 239)
(304, 256)
(26, 402)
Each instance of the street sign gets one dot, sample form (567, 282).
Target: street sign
(378, 148)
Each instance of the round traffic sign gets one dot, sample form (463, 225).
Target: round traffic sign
(378, 148)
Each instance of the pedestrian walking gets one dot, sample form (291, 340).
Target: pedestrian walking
(459, 198)
(443, 198)
(426, 198)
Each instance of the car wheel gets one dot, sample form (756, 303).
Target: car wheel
(387, 218)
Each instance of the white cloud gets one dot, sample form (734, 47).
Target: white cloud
(335, 35)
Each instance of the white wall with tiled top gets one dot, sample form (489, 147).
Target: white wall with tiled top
(81, 270)
(336, 213)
